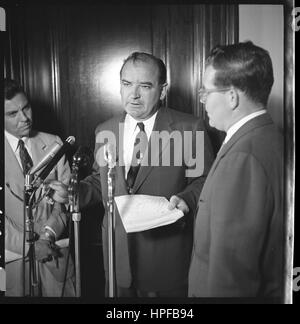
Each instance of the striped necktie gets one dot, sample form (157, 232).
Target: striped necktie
(140, 145)
(24, 157)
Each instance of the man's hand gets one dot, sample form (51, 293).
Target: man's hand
(176, 202)
(61, 192)
(46, 250)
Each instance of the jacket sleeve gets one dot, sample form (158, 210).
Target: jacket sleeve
(90, 188)
(58, 220)
(204, 156)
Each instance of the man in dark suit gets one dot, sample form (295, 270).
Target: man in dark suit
(155, 262)
(238, 237)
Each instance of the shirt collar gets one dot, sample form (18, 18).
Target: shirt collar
(132, 124)
(235, 127)
(14, 141)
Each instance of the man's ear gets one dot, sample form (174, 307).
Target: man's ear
(163, 93)
(233, 98)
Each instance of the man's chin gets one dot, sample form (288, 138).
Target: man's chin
(25, 133)
(134, 113)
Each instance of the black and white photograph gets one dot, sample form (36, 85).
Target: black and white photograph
(148, 154)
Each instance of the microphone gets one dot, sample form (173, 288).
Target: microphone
(82, 156)
(110, 155)
(57, 156)
(51, 153)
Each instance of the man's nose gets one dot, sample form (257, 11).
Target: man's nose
(22, 116)
(136, 92)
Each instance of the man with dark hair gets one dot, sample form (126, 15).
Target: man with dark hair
(23, 149)
(238, 237)
(145, 57)
(153, 262)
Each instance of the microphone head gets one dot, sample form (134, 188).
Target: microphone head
(82, 156)
(70, 140)
(49, 155)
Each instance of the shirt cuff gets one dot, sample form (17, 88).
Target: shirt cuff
(51, 230)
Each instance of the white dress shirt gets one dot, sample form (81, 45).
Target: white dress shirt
(130, 131)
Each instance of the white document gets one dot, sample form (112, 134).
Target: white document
(143, 212)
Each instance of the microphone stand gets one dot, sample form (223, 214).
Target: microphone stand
(111, 230)
(73, 191)
(29, 193)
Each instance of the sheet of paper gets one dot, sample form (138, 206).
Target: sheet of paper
(143, 212)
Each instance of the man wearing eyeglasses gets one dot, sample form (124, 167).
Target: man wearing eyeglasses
(24, 148)
(238, 237)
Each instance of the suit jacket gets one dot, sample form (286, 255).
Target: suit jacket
(238, 238)
(156, 259)
(44, 214)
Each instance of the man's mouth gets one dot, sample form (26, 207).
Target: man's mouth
(25, 126)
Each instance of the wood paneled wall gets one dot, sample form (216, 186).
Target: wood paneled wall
(68, 57)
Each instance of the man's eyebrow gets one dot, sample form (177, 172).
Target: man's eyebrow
(16, 110)
(11, 112)
(124, 80)
(147, 83)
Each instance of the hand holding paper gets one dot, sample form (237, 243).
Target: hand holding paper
(143, 212)
(179, 203)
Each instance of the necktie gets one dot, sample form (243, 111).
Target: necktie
(140, 145)
(25, 157)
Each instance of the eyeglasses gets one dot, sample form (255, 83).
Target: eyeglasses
(203, 93)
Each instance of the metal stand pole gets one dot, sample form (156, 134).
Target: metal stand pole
(111, 233)
(30, 235)
(76, 217)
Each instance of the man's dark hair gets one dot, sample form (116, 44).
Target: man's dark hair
(244, 66)
(145, 57)
(11, 88)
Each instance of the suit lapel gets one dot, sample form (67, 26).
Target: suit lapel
(13, 171)
(256, 122)
(38, 148)
(11, 162)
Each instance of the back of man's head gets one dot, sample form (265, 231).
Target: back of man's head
(244, 66)
(146, 58)
(11, 88)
